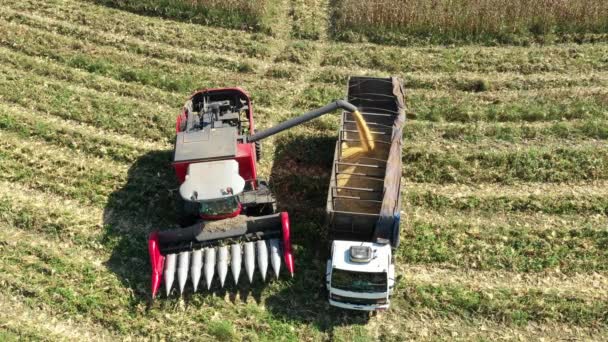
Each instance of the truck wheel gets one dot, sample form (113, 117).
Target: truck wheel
(258, 150)
(395, 241)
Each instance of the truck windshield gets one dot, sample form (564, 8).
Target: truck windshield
(221, 206)
(359, 281)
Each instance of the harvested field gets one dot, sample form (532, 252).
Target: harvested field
(238, 14)
(505, 171)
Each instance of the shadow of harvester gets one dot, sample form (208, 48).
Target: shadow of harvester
(146, 202)
(299, 179)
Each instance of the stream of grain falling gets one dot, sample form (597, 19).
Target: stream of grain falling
(364, 134)
(367, 141)
(356, 153)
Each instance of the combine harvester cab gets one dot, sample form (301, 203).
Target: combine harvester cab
(216, 167)
(364, 199)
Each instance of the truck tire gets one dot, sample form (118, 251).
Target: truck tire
(395, 240)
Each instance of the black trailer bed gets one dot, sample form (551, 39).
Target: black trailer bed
(364, 198)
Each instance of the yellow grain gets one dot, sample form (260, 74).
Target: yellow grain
(364, 134)
(355, 153)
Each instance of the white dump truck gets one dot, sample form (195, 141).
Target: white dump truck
(364, 199)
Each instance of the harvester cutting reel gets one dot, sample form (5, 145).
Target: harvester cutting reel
(207, 247)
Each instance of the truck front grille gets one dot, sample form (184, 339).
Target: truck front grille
(359, 301)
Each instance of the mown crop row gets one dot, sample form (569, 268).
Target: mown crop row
(111, 57)
(549, 204)
(580, 249)
(160, 50)
(507, 132)
(106, 111)
(474, 82)
(492, 106)
(93, 18)
(110, 61)
(87, 139)
(503, 305)
(50, 69)
(59, 293)
(240, 14)
(68, 174)
(559, 164)
(566, 58)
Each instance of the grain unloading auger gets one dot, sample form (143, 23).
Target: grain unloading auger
(214, 158)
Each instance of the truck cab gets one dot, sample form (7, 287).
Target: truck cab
(360, 275)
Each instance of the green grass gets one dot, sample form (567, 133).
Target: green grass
(504, 305)
(554, 165)
(549, 106)
(504, 175)
(552, 204)
(508, 132)
(578, 249)
(564, 58)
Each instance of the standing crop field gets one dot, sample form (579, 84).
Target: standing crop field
(505, 179)
(488, 21)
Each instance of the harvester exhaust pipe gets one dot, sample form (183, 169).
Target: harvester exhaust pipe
(302, 118)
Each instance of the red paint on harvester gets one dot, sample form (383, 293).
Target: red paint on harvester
(157, 261)
(287, 253)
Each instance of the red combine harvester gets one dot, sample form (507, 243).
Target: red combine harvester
(215, 156)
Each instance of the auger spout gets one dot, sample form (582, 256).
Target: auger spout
(302, 119)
